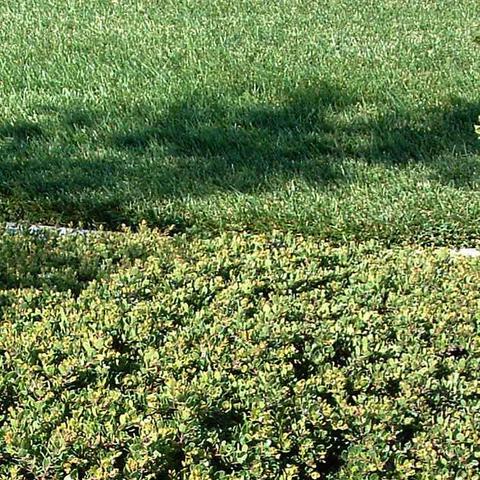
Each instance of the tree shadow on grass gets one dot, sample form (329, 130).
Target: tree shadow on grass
(81, 166)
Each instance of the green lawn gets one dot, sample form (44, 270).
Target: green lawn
(345, 119)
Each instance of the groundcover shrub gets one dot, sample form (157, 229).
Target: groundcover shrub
(237, 357)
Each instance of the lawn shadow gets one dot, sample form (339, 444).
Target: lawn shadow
(308, 136)
(243, 148)
(80, 165)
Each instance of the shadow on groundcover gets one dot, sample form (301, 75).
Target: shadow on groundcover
(81, 165)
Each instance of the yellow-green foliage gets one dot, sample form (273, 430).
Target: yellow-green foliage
(136, 356)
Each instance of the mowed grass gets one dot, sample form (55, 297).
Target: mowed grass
(348, 119)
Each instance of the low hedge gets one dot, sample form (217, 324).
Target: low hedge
(138, 356)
